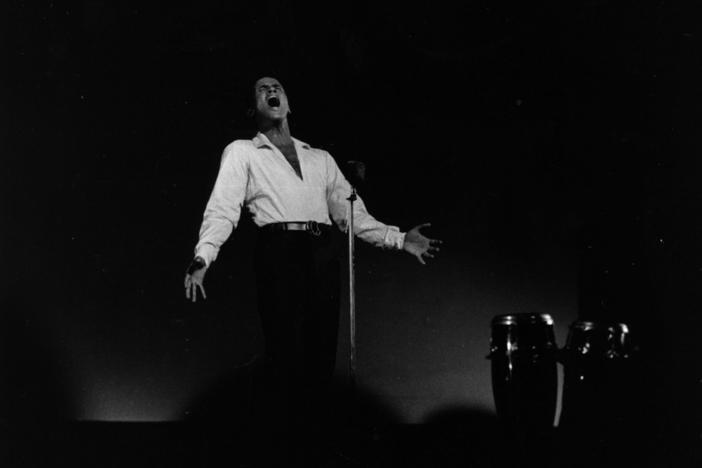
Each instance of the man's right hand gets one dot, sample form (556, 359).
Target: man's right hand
(194, 279)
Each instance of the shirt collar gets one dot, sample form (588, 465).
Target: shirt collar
(261, 140)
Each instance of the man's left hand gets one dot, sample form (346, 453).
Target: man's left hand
(419, 245)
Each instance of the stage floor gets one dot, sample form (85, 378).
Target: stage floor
(477, 444)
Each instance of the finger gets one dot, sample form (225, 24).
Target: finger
(185, 281)
(194, 292)
(427, 254)
(424, 225)
(187, 291)
(202, 289)
(421, 260)
(435, 241)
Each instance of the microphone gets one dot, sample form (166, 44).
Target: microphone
(356, 172)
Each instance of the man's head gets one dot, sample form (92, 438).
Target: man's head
(269, 100)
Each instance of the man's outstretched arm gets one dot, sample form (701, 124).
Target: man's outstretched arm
(220, 218)
(367, 227)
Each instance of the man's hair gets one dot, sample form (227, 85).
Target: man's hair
(251, 99)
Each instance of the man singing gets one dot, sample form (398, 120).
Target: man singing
(294, 192)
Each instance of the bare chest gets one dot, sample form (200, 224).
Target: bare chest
(290, 154)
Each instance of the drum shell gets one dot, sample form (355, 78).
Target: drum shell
(524, 370)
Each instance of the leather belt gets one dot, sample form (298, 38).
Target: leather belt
(313, 227)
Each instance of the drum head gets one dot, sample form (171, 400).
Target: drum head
(524, 318)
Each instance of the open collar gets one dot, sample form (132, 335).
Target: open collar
(261, 140)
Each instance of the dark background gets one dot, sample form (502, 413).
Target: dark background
(554, 148)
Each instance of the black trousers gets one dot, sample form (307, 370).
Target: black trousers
(297, 280)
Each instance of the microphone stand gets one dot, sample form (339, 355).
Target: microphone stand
(359, 176)
(352, 297)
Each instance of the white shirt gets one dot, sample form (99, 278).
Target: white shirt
(256, 173)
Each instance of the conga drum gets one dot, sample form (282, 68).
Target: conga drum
(583, 373)
(524, 372)
(596, 374)
(619, 342)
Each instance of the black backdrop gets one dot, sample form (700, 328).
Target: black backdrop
(553, 147)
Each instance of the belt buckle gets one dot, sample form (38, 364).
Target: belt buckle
(313, 227)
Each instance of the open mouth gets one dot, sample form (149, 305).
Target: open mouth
(274, 102)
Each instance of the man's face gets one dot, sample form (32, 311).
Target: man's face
(270, 99)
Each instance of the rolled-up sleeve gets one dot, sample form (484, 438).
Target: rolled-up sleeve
(366, 227)
(224, 206)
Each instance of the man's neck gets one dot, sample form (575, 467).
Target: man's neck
(277, 133)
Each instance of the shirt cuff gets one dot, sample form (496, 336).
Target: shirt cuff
(207, 252)
(394, 239)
